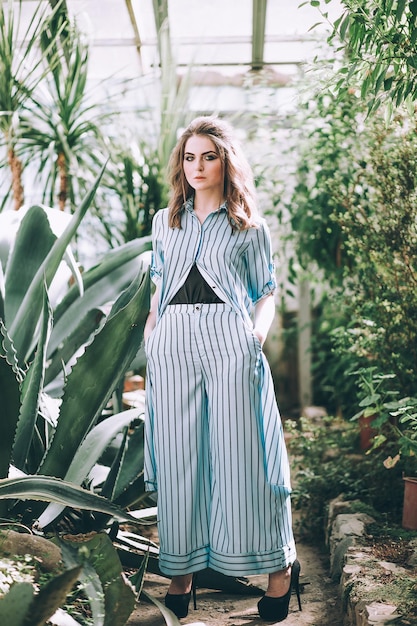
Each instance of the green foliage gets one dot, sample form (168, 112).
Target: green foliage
(328, 153)
(90, 569)
(58, 126)
(51, 489)
(354, 213)
(376, 396)
(112, 597)
(53, 430)
(21, 606)
(134, 182)
(332, 361)
(378, 39)
(21, 72)
(327, 462)
(381, 240)
(394, 419)
(61, 125)
(39, 437)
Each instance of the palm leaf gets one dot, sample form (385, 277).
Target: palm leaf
(21, 68)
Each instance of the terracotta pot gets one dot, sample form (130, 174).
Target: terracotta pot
(410, 503)
(132, 383)
(367, 433)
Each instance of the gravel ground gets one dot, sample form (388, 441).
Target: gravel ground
(319, 598)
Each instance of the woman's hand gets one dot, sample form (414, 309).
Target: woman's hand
(264, 315)
(260, 336)
(151, 319)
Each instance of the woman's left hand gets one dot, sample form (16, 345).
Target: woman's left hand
(260, 336)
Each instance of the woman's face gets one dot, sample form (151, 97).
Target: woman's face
(203, 167)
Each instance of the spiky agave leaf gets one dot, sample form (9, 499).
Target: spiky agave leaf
(96, 374)
(88, 454)
(51, 489)
(25, 321)
(32, 391)
(11, 377)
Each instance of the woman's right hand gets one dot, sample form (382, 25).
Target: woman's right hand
(151, 319)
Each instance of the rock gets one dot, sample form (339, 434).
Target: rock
(392, 567)
(314, 413)
(412, 560)
(351, 524)
(380, 613)
(337, 557)
(44, 551)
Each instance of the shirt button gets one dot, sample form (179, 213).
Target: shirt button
(213, 286)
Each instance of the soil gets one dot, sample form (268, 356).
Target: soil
(319, 598)
(394, 551)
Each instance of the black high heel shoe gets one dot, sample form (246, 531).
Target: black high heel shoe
(276, 609)
(178, 603)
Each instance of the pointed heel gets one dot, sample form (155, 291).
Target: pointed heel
(276, 609)
(178, 603)
(194, 590)
(295, 582)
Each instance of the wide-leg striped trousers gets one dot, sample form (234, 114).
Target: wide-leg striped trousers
(215, 450)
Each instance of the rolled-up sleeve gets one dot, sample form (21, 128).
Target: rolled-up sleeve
(261, 268)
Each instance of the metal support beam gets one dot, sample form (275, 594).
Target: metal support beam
(136, 34)
(304, 344)
(160, 9)
(258, 33)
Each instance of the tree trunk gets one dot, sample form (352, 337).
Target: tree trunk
(16, 170)
(63, 181)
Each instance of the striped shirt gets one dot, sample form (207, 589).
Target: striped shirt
(237, 265)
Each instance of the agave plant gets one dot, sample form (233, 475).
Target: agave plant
(89, 566)
(63, 351)
(80, 348)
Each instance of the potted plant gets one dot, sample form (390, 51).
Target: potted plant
(406, 413)
(376, 403)
(387, 421)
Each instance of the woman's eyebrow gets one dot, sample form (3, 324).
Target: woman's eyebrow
(202, 154)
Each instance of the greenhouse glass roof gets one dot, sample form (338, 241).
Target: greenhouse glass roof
(224, 35)
(224, 40)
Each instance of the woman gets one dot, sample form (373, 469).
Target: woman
(215, 450)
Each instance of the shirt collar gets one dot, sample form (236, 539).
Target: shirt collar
(189, 205)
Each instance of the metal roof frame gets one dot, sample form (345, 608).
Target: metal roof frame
(258, 33)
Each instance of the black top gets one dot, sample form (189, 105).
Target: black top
(194, 290)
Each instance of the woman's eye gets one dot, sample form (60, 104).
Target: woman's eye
(188, 158)
(211, 157)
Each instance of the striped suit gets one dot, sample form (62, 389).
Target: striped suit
(215, 451)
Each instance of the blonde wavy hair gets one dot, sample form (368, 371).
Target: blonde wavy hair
(239, 188)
